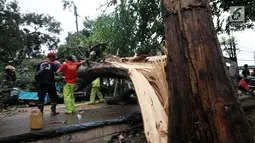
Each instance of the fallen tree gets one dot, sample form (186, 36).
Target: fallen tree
(149, 79)
(203, 103)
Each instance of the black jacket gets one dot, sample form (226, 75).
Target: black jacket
(45, 72)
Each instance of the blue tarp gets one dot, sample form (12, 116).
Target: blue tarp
(131, 119)
(31, 96)
(59, 86)
(86, 126)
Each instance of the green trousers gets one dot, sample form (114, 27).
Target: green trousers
(95, 91)
(69, 99)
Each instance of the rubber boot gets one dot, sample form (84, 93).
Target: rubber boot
(1, 107)
(40, 107)
(5, 107)
(100, 96)
(53, 109)
(101, 101)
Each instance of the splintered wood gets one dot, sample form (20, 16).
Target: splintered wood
(149, 79)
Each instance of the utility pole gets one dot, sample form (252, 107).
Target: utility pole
(234, 47)
(76, 22)
(76, 16)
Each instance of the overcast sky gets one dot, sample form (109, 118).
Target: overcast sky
(246, 39)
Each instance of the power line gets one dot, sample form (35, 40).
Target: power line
(246, 51)
(244, 60)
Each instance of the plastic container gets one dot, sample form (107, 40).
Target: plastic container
(36, 120)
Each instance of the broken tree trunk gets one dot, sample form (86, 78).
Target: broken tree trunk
(149, 79)
(202, 101)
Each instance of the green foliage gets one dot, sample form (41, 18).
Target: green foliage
(21, 34)
(104, 31)
(133, 27)
(72, 42)
(25, 74)
(136, 26)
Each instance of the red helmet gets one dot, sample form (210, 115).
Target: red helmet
(52, 55)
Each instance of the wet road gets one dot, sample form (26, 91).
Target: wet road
(19, 124)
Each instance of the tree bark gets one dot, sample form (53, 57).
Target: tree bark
(202, 101)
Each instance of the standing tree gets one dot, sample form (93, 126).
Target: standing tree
(203, 107)
(134, 27)
(229, 47)
(23, 34)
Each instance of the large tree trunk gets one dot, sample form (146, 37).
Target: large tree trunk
(202, 101)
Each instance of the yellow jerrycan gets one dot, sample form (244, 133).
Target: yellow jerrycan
(36, 120)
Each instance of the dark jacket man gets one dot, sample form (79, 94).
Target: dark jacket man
(246, 71)
(45, 80)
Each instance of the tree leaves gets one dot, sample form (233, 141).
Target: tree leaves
(136, 26)
(133, 27)
(23, 34)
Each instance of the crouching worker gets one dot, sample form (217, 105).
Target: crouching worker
(70, 68)
(244, 87)
(45, 81)
(253, 73)
(95, 91)
(9, 77)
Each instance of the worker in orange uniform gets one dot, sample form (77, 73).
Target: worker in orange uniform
(244, 87)
(70, 68)
(253, 73)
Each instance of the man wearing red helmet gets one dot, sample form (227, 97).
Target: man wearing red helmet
(45, 80)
